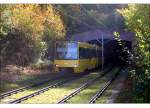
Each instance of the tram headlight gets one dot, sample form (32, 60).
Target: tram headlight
(75, 65)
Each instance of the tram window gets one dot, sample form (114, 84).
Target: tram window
(90, 53)
(93, 53)
(86, 53)
(83, 53)
(66, 51)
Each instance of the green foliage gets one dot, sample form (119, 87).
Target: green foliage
(41, 64)
(138, 20)
(26, 31)
(80, 18)
(116, 34)
(71, 14)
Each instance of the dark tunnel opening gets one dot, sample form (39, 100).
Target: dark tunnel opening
(113, 52)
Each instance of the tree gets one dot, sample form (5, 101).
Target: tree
(137, 19)
(27, 28)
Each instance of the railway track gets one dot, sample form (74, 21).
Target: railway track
(82, 87)
(54, 85)
(45, 89)
(103, 89)
(9, 93)
(6, 94)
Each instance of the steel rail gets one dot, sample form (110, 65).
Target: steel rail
(6, 94)
(45, 89)
(38, 92)
(79, 89)
(103, 89)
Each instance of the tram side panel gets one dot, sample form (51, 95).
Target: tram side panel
(86, 57)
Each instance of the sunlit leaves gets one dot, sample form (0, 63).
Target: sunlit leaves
(54, 22)
(24, 18)
(137, 18)
(27, 25)
(31, 18)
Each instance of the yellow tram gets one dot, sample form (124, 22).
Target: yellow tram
(78, 56)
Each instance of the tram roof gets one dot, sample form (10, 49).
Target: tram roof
(87, 45)
(83, 44)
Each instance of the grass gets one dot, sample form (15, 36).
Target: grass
(7, 85)
(14, 76)
(55, 94)
(27, 92)
(25, 80)
(106, 95)
(126, 95)
(85, 95)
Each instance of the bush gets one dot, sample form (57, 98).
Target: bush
(25, 32)
(42, 64)
(138, 20)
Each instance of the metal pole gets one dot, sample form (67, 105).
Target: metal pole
(102, 52)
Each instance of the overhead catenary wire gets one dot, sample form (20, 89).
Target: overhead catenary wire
(97, 39)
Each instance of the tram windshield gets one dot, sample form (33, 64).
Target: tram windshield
(65, 50)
